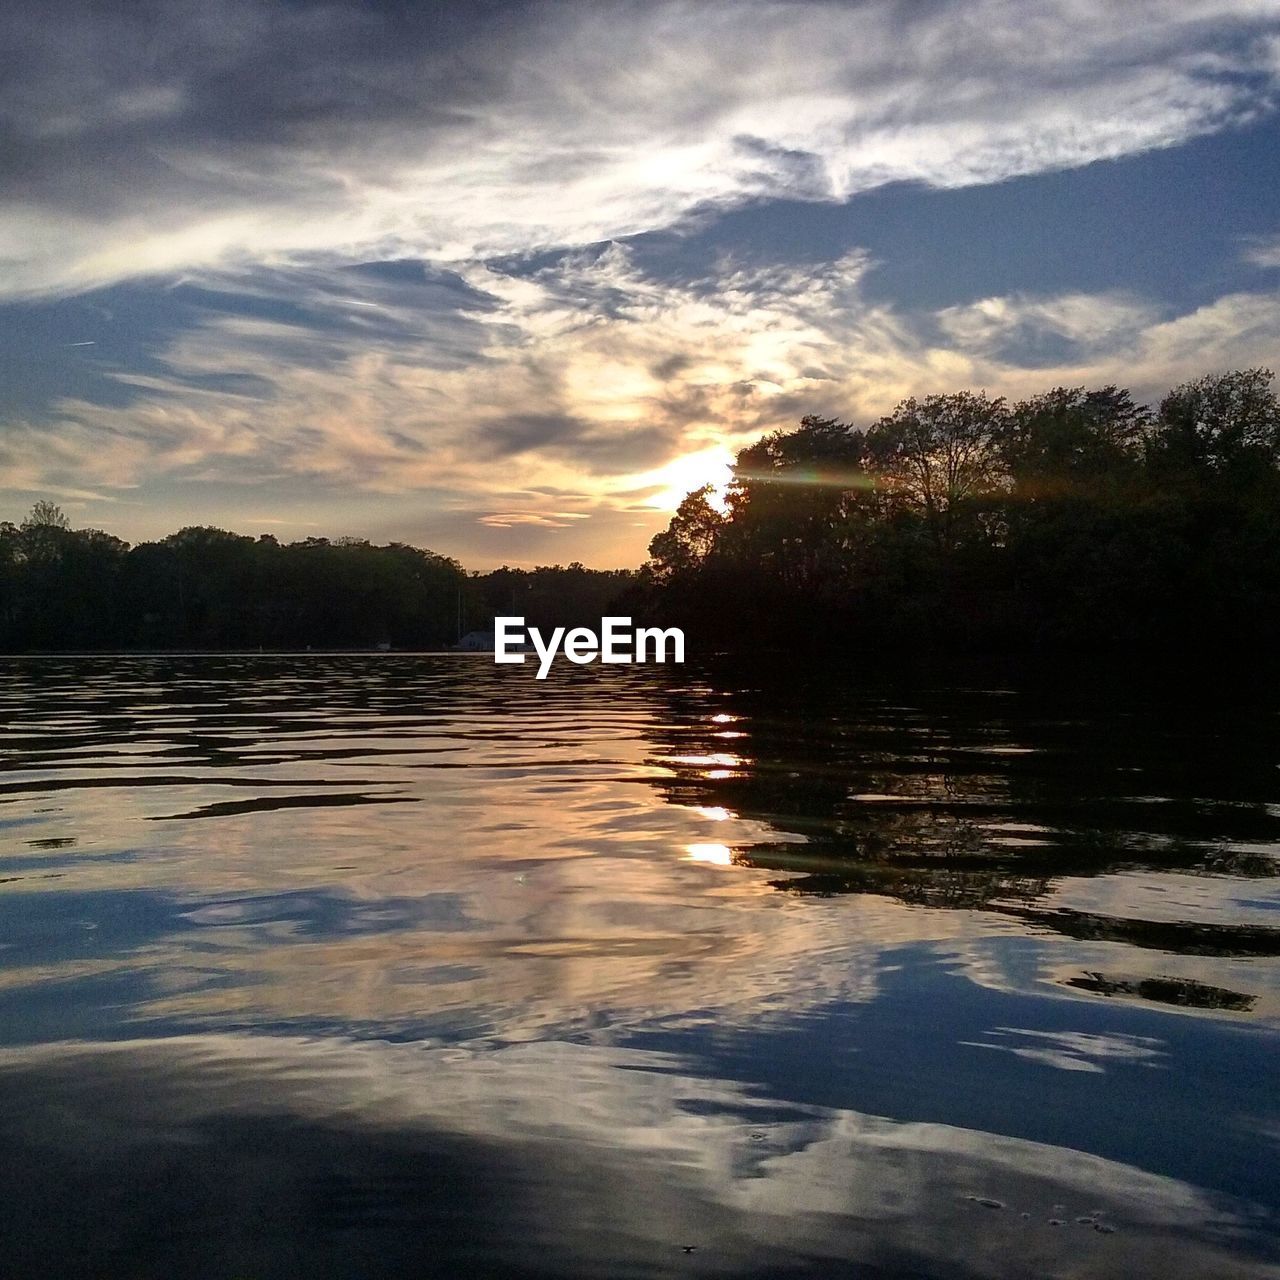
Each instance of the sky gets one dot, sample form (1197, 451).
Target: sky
(507, 279)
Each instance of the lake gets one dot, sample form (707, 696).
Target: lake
(394, 965)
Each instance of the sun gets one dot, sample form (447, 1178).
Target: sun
(712, 466)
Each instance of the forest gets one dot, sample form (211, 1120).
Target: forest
(204, 588)
(1074, 522)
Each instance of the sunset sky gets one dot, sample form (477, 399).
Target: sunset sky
(506, 279)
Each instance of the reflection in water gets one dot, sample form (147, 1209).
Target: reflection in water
(1186, 992)
(325, 1156)
(382, 965)
(719, 855)
(909, 804)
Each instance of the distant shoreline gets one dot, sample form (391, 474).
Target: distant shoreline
(242, 653)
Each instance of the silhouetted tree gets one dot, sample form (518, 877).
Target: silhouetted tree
(46, 515)
(792, 503)
(1070, 441)
(1227, 423)
(682, 548)
(1075, 521)
(940, 457)
(205, 587)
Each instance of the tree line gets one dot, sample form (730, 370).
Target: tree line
(1072, 522)
(205, 588)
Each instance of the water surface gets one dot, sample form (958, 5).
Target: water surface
(370, 965)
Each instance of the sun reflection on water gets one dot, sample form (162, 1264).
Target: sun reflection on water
(719, 855)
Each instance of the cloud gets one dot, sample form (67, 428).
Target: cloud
(1074, 1050)
(551, 520)
(509, 397)
(1092, 322)
(650, 1148)
(384, 247)
(1263, 252)
(254, 133)
(584, 376)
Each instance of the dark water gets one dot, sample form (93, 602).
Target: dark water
(392, 966)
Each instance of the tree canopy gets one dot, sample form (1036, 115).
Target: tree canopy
(1075, 520)
(64, 588)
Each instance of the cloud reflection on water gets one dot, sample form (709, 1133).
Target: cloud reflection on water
(592, 1162)
(897, 960)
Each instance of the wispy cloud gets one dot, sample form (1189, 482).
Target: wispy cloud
(391, 246)
(1091, 322)
(471, 131)
(585, 385)
(1263, 252)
